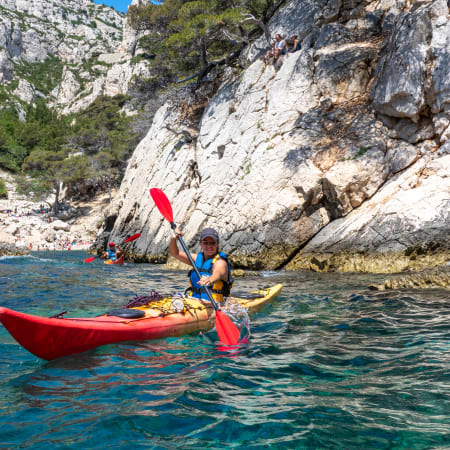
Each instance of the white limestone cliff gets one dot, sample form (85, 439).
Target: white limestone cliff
(337, 150)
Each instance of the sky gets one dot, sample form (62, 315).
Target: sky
(119, 5)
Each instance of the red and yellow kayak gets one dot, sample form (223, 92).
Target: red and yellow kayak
(51, 338)
(117, 261)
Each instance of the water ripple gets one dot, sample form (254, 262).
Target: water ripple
(329, 365)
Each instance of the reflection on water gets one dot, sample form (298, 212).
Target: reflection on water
(329, 364)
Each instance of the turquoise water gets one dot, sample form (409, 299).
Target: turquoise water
(330, 364)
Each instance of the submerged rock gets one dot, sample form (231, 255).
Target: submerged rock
(436, 278)
(416, 259)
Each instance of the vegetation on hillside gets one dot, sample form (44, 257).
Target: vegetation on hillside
(82, 152)
(44, 76)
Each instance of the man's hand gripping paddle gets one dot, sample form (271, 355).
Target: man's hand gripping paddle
(228, 332)
(131, 238)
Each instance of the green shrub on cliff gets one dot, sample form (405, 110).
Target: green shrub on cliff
(103, 128)
(44, 76)
(12, 152)
(3, 190)
(42, 129)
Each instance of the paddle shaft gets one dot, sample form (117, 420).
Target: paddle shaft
(226, 330)
(186, 250)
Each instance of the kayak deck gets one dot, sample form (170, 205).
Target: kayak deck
(51, 338)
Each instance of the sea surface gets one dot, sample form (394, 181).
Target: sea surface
(330, 365)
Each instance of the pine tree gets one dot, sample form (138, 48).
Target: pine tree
(188, 36)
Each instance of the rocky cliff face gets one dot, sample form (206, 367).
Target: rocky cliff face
(334, 158)
(84, 50)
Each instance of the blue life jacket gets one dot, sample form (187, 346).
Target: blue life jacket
(220, 288)
(111, 254)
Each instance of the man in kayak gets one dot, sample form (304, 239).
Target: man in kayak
(112, 252)
(212, 264)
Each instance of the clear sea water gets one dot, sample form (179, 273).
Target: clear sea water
(330, 364)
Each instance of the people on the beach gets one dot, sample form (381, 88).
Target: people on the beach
(278, 48)
(25, 218)
(212, 264)
(112, 252)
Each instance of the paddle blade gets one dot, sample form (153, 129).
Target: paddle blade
(89, 259)
(133, 238)
(162, 203)
(228, 332)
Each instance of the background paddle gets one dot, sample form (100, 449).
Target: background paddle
(131, 238)
(228, 332)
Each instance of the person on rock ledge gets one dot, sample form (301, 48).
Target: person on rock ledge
(278, 48)
(212, 264)
(112, 252)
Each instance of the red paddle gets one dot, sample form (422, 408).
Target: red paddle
(131, 238)
(228, 332)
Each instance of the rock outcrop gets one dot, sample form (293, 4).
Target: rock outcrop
(333, 158)
(8, 249)
(427, 279)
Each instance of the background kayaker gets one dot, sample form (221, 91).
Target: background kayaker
(212, 264)
(112, 252)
